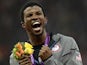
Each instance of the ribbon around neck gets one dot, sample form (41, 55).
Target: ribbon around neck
(40, 60)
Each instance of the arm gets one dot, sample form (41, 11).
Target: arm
(70, 57)
(13, 61)
(75, 56)
(52, 61)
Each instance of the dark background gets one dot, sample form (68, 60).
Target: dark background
(68, 17)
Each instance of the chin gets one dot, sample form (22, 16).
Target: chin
(38, 33)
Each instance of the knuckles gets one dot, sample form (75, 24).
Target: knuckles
(25, 60)
(45, 52)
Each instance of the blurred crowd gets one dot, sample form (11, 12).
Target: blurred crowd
(68, 17)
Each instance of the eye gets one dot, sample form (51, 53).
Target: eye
(29, 15)
(38, 13)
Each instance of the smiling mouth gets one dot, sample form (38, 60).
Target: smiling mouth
(36, 25)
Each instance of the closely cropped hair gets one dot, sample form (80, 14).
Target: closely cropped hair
(30, 4)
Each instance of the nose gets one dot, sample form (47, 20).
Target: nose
(34, 19)
(34, 16)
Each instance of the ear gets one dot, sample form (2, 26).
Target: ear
(23, 25)
(46, 20)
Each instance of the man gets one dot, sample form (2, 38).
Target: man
(49, 49)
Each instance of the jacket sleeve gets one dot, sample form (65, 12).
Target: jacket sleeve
(13, 61)
(52, 61)
(74, 54)
(70, 55)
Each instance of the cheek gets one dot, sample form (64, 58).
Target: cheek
(42, 19)
(28, 25)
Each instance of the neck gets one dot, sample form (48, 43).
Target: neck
(36, 40)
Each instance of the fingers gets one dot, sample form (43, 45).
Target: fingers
(26, 55)
(45, 52)
(25, 60)
(25, 63)
(44, 48)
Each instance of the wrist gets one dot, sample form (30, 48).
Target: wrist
(47, 58)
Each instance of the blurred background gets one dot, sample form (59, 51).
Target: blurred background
(68, 17)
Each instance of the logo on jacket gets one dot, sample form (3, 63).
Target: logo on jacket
(56, 48)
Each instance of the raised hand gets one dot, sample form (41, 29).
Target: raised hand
(45, 53)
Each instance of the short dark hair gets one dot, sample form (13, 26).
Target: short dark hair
(30, 4)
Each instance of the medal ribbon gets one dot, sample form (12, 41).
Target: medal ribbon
(46, 44)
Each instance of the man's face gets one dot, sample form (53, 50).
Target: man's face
(34, 20)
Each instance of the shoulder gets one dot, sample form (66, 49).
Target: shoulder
(62, 37)
(66, 41)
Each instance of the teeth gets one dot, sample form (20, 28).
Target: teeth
(36, 29)
(36, 23)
